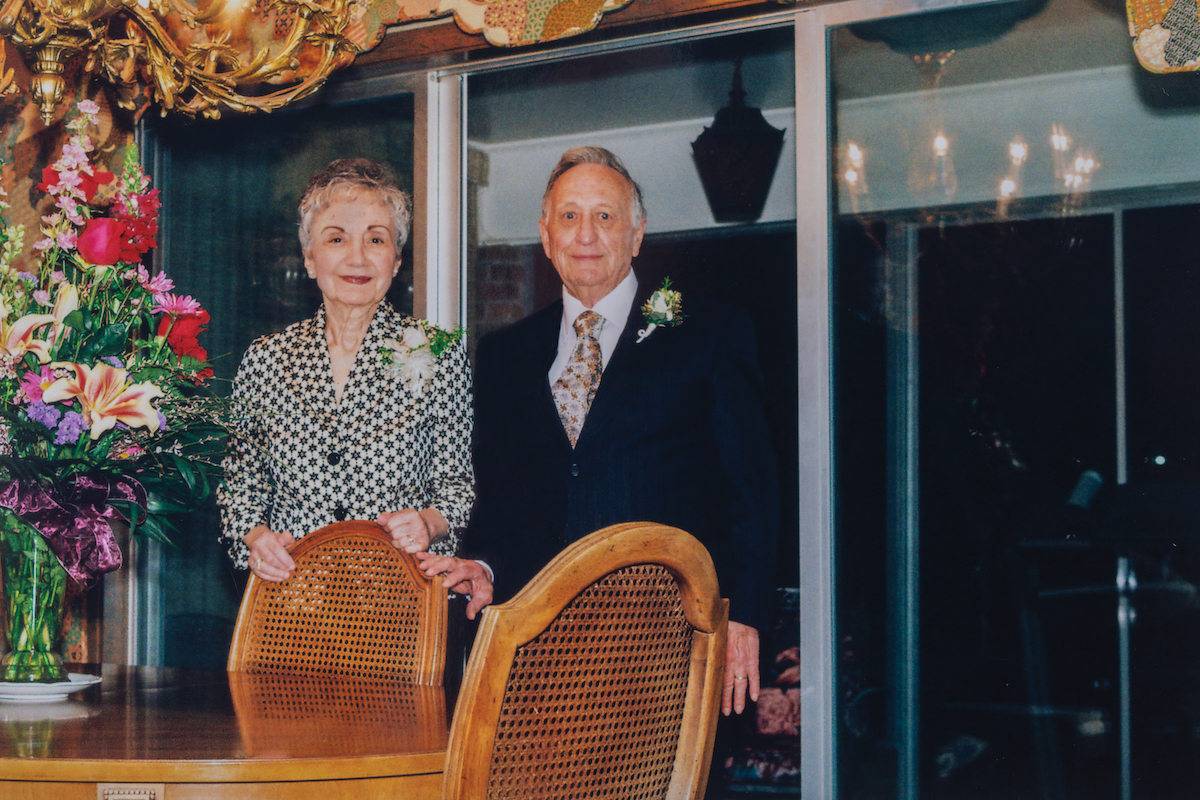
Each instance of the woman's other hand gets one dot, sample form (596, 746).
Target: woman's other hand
(413, 531)
(269, 558)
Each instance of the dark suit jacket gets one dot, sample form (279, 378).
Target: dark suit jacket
(675, 435)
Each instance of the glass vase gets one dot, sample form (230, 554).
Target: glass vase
(34, 589)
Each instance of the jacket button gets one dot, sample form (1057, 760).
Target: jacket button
(339, 513)
(334, 458)
(575, 470)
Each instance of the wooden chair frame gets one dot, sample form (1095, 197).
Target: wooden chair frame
(430, 656)
(508, 626)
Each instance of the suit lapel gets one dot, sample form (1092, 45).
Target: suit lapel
(543, 348)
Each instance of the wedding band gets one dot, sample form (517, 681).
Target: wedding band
(740, 678)
(258, 563)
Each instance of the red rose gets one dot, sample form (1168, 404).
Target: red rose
(102, 241)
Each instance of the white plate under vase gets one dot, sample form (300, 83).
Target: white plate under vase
(16, 692)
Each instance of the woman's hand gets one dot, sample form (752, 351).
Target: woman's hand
(269, 558)
(413, 531)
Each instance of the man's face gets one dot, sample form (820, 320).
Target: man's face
(588, 231)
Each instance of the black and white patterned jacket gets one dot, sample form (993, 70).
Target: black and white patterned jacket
(305, 461)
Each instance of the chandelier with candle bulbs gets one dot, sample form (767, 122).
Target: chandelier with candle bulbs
(242, 55)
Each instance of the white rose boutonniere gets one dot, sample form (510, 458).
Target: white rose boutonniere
(413, 358)
(662, 309)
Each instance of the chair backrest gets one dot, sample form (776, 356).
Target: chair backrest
(600, 679)
(354, 606)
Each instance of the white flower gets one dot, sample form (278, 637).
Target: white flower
(663, 308)
(417, 369)
(415, 338)
(411, 359)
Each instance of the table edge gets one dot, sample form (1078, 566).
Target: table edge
(221, 771)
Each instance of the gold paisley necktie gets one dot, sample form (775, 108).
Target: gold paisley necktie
(574, 390)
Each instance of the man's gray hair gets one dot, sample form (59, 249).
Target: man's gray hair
(343, 179)
(591, 154)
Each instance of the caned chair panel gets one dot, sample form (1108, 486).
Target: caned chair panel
(354, 606)
(600, 679)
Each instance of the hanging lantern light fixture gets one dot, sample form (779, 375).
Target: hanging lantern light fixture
(736, 157)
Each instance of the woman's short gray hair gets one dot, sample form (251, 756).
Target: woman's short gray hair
(344, 179)
(591, 154)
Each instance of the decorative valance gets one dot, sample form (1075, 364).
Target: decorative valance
(1166, 34)
(504, 23)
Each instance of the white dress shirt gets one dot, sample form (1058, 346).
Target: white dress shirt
(614, 307)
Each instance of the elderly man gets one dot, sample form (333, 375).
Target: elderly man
(581, 422)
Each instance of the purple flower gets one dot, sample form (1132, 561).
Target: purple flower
(162, 422)
(47, 415)
(71, 428)
(113, 361)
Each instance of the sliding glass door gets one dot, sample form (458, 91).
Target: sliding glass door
(648, 103)
(1012, 313)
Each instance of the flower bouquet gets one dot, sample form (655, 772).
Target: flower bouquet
(102, 411)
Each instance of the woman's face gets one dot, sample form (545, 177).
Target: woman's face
(353, 253)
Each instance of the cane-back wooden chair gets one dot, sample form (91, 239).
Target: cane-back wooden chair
(600, 679)
(354, 606)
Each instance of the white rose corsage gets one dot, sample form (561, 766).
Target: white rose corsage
(413, 357)
(662, 309)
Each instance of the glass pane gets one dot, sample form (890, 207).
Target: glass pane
(229, 238)
(647, 106)
(1015, 408)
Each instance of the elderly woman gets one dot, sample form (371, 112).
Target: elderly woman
(358, 412)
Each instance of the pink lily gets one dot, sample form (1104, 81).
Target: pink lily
(106, 396)
(16, 339)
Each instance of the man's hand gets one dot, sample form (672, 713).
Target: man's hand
(460, 575)
(741, 668)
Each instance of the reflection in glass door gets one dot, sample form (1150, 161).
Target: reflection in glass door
(1014, 344)
(647, 105)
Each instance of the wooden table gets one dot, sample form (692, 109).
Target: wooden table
(181, 735)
